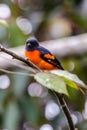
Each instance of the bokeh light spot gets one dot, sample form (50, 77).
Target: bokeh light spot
(4, 11)
(24, 4)
(59, 27)
(51, 110)
(35, 89)
(24, 25)
(4, 82)
(71, 66)
(46, 127)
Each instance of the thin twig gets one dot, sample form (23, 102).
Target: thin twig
(17, 73)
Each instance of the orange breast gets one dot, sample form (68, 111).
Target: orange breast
(34, 57)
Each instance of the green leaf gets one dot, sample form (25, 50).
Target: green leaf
(52, 82)
(3, 23)
(70, 79)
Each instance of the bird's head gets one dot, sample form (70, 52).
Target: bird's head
(31, 44)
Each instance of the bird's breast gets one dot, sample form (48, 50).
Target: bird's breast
(33, 56)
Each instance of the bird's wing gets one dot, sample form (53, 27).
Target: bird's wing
(52, 60)
(46, 55)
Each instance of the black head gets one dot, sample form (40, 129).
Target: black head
(31, 44)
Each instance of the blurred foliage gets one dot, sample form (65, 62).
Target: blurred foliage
(24, 103)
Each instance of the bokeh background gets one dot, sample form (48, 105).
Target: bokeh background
(25, 104)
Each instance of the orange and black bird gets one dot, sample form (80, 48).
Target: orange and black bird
(40, 56)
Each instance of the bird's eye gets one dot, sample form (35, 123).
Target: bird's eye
(29, 45)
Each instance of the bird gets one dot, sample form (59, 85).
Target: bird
(41, 56)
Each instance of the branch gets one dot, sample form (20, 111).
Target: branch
(19, 58)
(65, 110)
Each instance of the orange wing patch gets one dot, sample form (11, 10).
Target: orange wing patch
(49, 56)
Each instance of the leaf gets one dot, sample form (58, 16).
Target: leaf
(52, 82)
(71, 79)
